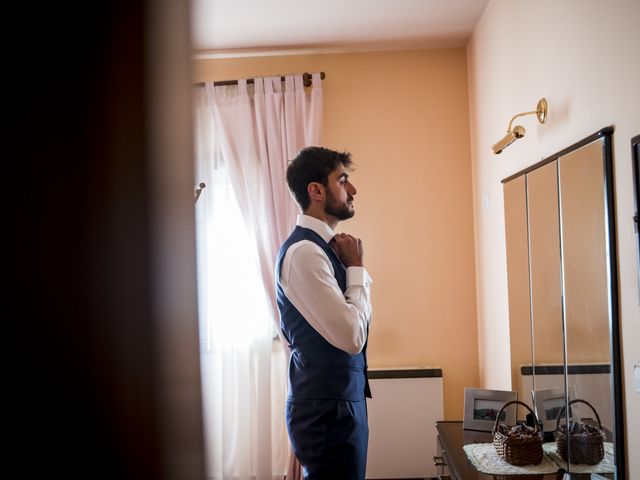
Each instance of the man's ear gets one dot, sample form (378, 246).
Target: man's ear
(315, 191)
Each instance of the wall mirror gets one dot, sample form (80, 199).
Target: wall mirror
(563, 295)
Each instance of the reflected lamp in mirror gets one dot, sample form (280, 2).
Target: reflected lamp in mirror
(481, 408)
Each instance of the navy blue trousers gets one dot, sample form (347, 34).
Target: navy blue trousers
(329, 438)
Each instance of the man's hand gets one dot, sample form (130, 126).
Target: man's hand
(349, 249)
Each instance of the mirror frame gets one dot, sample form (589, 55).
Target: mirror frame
(635, 168)
(610, 224)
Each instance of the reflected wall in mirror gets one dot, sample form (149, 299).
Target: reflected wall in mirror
(585, 277)
(561, 268)
(515, 211)
(544, 266)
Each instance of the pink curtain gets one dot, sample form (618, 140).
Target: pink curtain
(259, 132)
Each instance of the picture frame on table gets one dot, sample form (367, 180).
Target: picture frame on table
(549, 403)
(481, 407)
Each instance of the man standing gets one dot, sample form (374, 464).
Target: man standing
(323, 294)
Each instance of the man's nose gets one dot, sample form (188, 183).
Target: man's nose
(353, 190)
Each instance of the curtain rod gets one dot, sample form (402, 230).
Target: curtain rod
(306, 80)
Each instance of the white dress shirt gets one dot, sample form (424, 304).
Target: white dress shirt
(308, 280)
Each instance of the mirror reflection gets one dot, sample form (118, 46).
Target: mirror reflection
(584, 267)
(560, 300)
(544, 262)
(515, 211)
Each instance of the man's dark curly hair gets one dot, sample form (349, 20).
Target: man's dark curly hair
(313, 164)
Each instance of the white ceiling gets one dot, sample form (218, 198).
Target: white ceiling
(237, 27)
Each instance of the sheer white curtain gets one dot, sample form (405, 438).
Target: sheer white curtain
(244, 137)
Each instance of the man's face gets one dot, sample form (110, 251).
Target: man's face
(340, 192)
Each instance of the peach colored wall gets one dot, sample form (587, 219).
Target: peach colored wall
(404, 116)
(583, 59)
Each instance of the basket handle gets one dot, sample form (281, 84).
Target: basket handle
(495, 425)
(575, 401)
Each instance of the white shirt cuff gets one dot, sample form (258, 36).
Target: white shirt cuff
(358, 276)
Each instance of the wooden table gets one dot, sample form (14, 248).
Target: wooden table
(451, 438)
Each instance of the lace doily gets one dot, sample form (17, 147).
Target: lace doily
(607, 465)
(484, 457)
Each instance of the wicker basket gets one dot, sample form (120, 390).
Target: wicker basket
(519, 445)
(579, 442)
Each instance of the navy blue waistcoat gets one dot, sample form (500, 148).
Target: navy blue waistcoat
(317, 369)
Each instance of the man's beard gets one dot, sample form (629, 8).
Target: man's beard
(333, 208)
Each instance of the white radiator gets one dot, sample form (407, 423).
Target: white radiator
(406, 405)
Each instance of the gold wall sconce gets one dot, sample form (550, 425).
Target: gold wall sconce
(518, 131)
